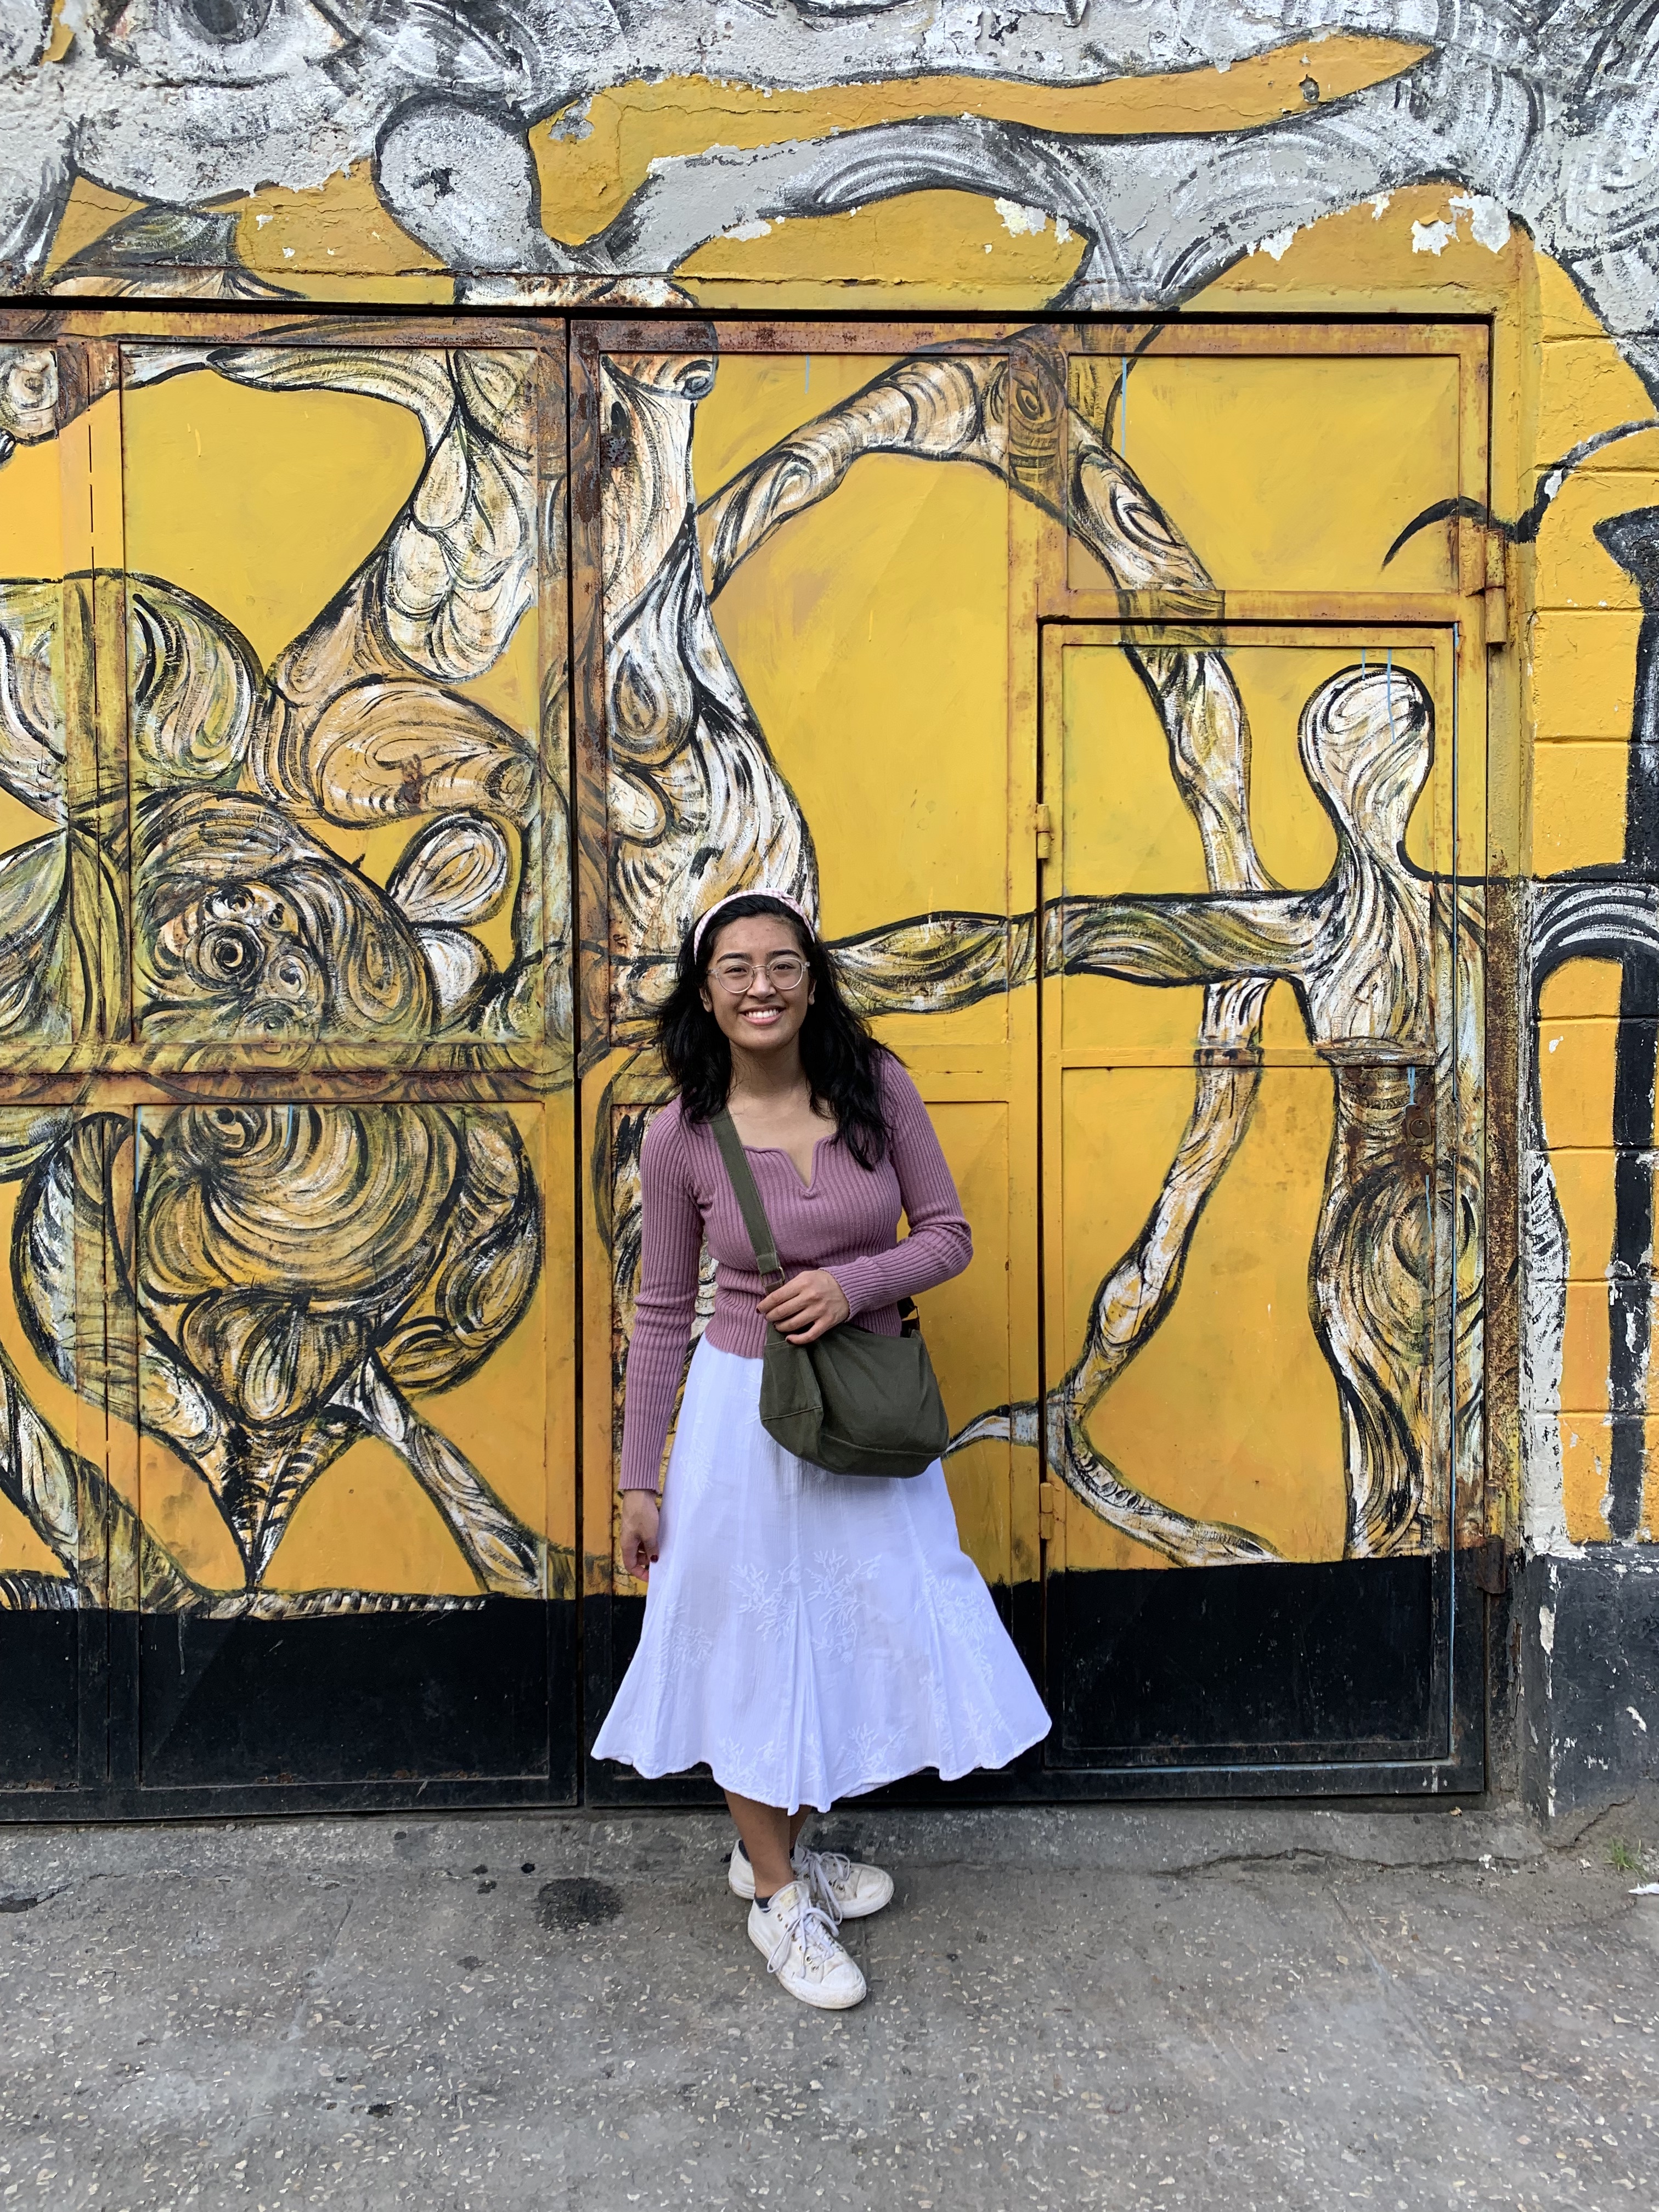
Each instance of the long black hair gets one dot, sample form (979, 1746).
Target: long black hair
(839, 1056)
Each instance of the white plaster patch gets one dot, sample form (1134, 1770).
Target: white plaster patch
(1637, 1718)
(1030, 221)
(1488, 219)
(1488, 222)
(1381, 203)
(1546, 1629)
(758, 228)
(1277, 245)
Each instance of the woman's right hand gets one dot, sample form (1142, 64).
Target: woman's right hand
(640, 1515)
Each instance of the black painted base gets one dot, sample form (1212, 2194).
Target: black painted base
(1588, 1675)
(1265, 1665)
(1345, 1679)
(171, 1716)
(1348, 1678)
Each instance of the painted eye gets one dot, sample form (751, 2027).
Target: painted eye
(288, 976)
(231, 1129)
(229, 22)
(230, 953)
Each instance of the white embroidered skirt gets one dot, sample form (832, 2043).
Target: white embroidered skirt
(808, 1635)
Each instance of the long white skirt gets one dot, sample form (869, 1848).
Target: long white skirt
(808, 1635)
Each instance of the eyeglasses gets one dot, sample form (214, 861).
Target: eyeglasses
(784, 971)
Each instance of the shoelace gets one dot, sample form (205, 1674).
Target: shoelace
(821, 1871)
(815, 1934)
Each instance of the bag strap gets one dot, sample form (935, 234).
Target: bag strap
(746, 1192)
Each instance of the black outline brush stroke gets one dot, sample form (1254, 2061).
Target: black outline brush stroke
(1632, 540)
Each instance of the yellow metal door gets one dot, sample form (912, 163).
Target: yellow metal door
(790, 594)
(286, 912)
(1263, 765)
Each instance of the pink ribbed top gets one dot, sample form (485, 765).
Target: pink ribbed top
(846, 1220)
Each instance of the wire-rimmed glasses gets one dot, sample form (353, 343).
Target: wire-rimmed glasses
(735, 972)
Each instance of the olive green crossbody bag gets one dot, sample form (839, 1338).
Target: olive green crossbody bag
(854, 1402)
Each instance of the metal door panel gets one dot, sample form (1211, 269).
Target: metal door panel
(1291, 472)
(312, 1205)
(858, 647)
(1261, 1070)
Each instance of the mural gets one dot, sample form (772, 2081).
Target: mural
(292, 996)
(298, 1272)
(177, 104)
(255, 1287)
(1386, 961)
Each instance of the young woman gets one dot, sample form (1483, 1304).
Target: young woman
(808, 1636)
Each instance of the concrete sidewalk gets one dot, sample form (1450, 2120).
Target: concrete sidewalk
(1195, 2007)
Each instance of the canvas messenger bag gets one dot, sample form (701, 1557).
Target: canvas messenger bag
(854, 1402)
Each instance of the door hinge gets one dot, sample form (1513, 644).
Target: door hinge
(1042, 824)
(1497, 588)
(1046, 1499)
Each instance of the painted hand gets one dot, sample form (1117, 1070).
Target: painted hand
(804, 1308)
(638, 1534)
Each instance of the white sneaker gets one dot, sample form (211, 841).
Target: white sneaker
(842, 1888)
(801, 1950)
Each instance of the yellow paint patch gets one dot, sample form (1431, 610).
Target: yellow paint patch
(1580, 989)
(1583, 674)
(1585, 1350)
(61, 38)
(1586, 1467)
(325, 243)
(1345, 260)
(33, 526)
(262, 503)
(365, 1524)
(1584, 1190)
(967, 1324)
(592, 158)
(936, 242)
(1585, 385)
(1577, 804)
(1574, 1072)
(89, 212)
(1241, 455)
(180, 1512)
(1572, 568)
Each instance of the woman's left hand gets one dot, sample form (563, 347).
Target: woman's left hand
(806, 1308)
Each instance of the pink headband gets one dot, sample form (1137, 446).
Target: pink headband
(755, 891)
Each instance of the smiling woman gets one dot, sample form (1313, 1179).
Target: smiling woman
(808, 1635)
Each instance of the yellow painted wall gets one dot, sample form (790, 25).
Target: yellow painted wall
(872, 642)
